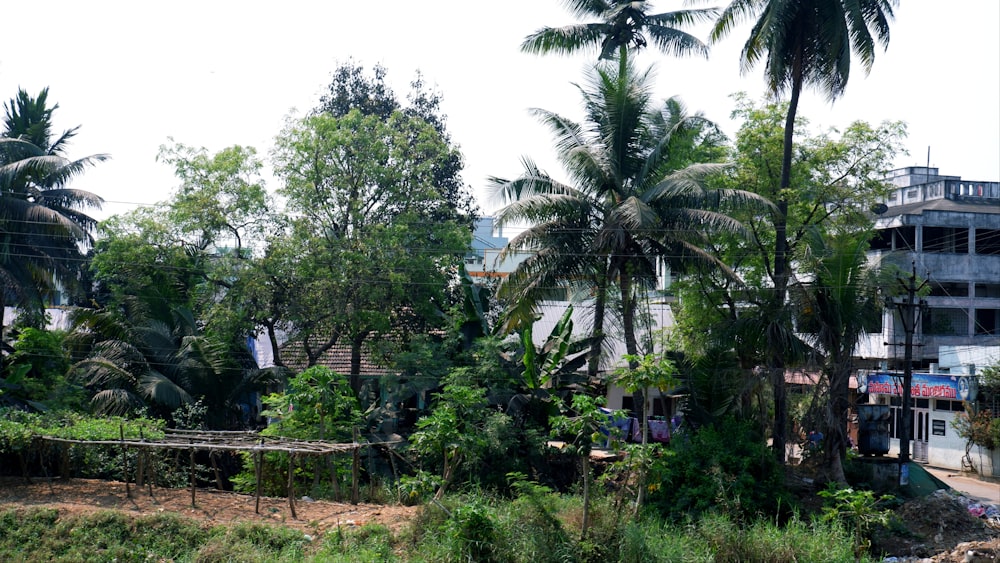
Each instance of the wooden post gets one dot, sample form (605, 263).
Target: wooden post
(192, 475)
(121, 436)
(258, 468)
(334, 481)
(291, 484)
(215, 468)
(355, 469)
(140, 470)
(151, 462)
(151, 469)
(45, 470)
(258, 473)
(64, 471)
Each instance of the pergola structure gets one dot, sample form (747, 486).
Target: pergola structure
(218, 441)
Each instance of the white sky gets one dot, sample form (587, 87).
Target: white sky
(215, 73)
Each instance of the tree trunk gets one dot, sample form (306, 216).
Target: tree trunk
(597, 332)
(835, 439)
(628, 319)
(272, 336)
(777, 360)
(3, 327)
(355, 377)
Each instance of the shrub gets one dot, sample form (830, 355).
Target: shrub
(725, 467)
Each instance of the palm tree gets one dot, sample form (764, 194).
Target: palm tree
(621, 24)
(837, 305)
(132, 359)
(806, 43)
(43, 229)
(30, 119)
(631, 200)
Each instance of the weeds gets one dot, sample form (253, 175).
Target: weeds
(537, 526)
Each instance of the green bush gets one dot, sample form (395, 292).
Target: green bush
(726, 468)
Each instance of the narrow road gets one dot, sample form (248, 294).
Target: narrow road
(981, 490)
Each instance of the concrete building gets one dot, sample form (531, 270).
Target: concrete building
(483, 260)
(947, 230)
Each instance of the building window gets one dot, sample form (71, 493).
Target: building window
(882, 240)
(946, 322)
(948, 289)
(988, 322)
(988, 290)
(988, 242)
(949, 406)
(905, 238)
(946, 240)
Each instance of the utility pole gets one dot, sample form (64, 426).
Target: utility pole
(907, 308)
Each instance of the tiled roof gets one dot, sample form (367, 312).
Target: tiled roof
(337, 358)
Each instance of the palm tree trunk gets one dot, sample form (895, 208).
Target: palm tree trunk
(585, 461)
(777, 363)
(597, 332)
(3, 327)
(628, 320)
(835, 438)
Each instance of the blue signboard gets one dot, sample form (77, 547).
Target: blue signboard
(925, 385)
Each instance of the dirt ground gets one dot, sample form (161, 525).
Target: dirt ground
(212, 507)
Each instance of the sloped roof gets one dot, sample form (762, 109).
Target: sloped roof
(337, 358)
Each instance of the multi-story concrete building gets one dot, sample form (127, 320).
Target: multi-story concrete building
(947, 231)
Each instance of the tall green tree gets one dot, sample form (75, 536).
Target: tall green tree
(837, 179)
(178, 272)
(351, 88)
(44, 228)
(805, 44)
(222, 215)
(366, 252)
(636, 195)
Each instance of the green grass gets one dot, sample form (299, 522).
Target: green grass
(537, 527)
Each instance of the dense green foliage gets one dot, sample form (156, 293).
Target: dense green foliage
(45, 231)
(724, 468)
(17, 428)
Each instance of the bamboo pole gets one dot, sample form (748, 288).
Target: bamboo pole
(291, 484)
(355, 469)
(192, 476)
(258, 467)
(121, 435)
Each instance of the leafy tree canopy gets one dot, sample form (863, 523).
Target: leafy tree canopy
(351, 89)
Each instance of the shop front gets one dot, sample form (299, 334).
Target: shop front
(936, 400)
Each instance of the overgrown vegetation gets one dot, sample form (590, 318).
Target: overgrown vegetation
(359, 252)
(536, 526)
